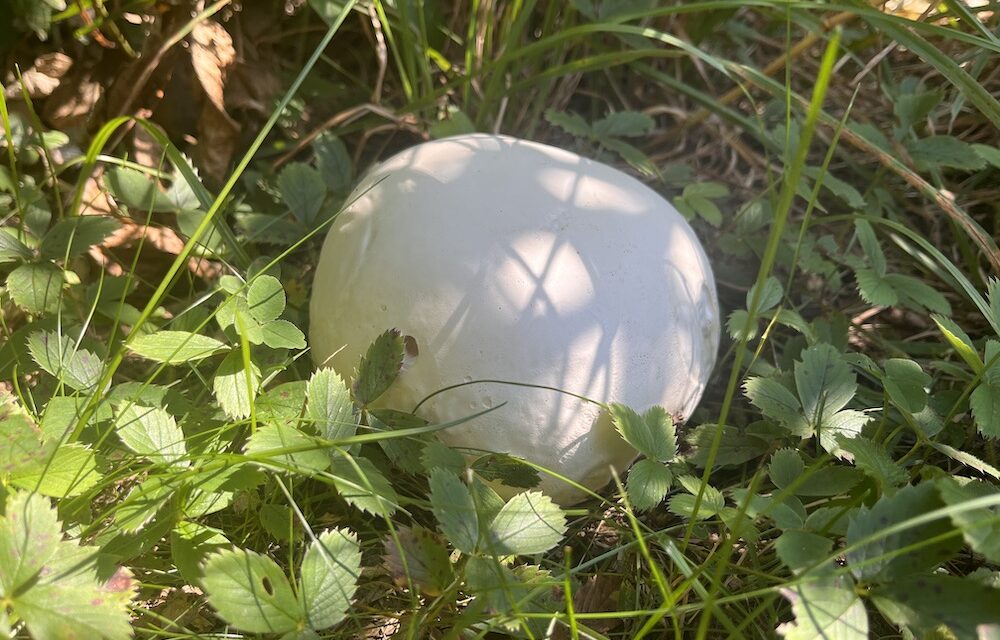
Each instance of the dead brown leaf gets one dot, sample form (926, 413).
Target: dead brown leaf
(42, 78)
(71, 104)
(212, 56)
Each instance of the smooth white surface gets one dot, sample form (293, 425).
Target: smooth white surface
(513, 260)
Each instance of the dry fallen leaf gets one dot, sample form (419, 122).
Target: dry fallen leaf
(212, 56)
(71, 104)
(42, 78)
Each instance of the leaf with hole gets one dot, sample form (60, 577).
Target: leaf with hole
(251, 592)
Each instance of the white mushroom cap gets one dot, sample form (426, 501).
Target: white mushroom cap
(512, 260)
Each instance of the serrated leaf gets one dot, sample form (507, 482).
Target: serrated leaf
(143, 502)
(51, 584)
(36, 286)
(889, 556)
(251, 593)
(829, 480)
(282, 334)
(329, 407)
(988, 153)
(825, 608)
(770, 295)
(736, 446)
(287, 446)
(944, 151)
(137, 190)
(629, 124)
(235, 386)
(632, 155)
(175, 347)
(980, 526)
(927, 603)
(800, 549)
(426, 560)
(838, 187)
(265, 298)
(847, 423)
(270, 229)
(712, 500)
(151, 432)
(454, 510)
(648, 483)
(706, 209)
(529, 523)
(778, 403)
(333, 162)
(70, 471)
(190, 544)
(379, 367)
(571, 123)
(303, 190)
(507, 469)
(74, 235)
(825, 383)
(736, 325)
(21, 440)
(494, 584)
(363, 486)
(871, 457)
(12, 249)
(330, 570)
(77, 368)
(437, 455)
(869, 244)
(912, 108)
(874, 289)
(985, 404)
(652, 434)
(966, 458)
(917, 295)
(786, 467)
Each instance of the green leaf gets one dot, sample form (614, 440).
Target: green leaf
(265, 298)
(988, 153)
(890, 556)
(235, 386)
(926, 603)
(778, 403)
(912, 108)
(736, 446)
(529, 523)
(333, 162)
(786, 467)
(917, 295)
(58, 355)
(175, 347)
(363, 486)
(709, 190)
(303, 190)
(825, 383)
(906, 383)
(301, 454)
(74, 235)
(437, 455)
(70, 471)
(838, 187)
(138, 191)
(569, 122)
(869, 244)
(705, 208)
(329, 407)
(36, 286)
(825, 608)
(712, 500)
(20, 438)
(770, 295)
(143, 502)
(330, 570)
(282, 334)
(648, 483)
(12, 249)
(282, 404)
(871, 457)
(652, 434)
(966, 458)
(279, 521)
(944, 151)
(190, 544)
(379, 367)
(985, 404)
(959, 341)
(51, 584)
(426, 560)
(801, 550)
(151, 432)
(455, 510)
(980, 526)
(847, 424)
(454, 122)
(630, 154)
(507, 469)
(875, 289)
(251, 593)
(629, 124)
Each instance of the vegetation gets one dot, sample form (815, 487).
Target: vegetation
(171, 466)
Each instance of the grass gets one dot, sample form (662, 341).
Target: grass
(186, 473)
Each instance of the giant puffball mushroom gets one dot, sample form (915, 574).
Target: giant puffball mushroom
(509, 260)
